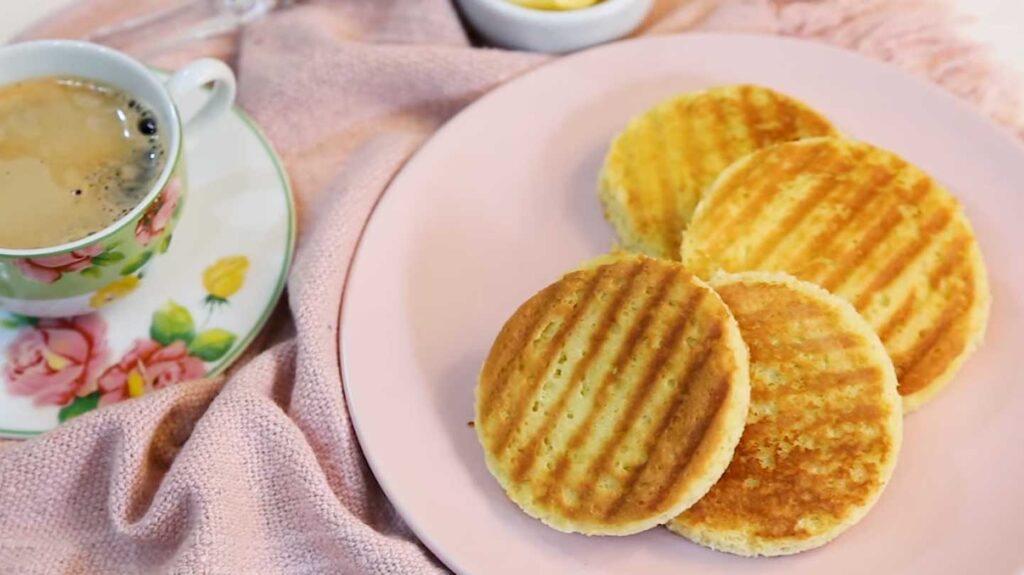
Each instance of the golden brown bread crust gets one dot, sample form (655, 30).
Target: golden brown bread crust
(613, 399)
(866, 225)
(659, 166)
(824, 427)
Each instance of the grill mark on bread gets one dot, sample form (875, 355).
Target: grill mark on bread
(899, 264)
(640, 391)
(857, 414)
(955, 257)
(536, 378)
(629, 344)
(783, 110)
(809, 345)
(820, 381)
(874, 190)
(778, 113)
(693, 441)
(661, 166)
(908, 362)
(490, 394)
(692, 145)
(694, 370)
(898, 318)
(720, 144)
(769, 186)
(789, 224)
(825, 343)
(743, 171)
(674, 143)
(874, 238)
(750, 116)
(630, 181)
(688, 151)
(849, 261)
(595, 345)
(718, 149)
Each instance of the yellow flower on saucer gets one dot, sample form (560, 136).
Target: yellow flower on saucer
(224, 278)
(114, 291)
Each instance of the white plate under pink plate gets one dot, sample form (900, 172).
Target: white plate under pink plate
(502, 201)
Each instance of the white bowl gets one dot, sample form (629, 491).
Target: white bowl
(512, 26)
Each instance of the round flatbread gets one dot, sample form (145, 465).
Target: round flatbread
(660, 165)
(824, 429)
(866, 225)
(613, 399)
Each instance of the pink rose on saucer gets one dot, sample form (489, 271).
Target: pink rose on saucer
(148, 366)
(57, 359)
(156, 218)
(51, 268)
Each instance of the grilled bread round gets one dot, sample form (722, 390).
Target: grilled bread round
(824, 429)
(658, 168)
(866, 225)
(613, 399)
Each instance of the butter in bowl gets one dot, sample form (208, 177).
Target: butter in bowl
(555, 26)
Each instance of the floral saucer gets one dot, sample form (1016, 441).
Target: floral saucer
(194, 311)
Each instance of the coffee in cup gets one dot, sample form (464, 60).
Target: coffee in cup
(93, 170)
(75, 156)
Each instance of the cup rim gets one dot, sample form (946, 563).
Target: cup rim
(174, 142)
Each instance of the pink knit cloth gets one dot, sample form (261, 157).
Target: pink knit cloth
(262, 473)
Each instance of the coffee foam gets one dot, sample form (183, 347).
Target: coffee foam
(75, 156)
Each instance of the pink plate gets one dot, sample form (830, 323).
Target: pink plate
(502, 201)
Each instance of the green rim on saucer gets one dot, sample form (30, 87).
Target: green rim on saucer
(52, 370)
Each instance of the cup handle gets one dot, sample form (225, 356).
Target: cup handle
(196, 75)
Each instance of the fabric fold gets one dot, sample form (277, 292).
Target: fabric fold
(261, 472)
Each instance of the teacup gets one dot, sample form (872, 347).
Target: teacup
(80, 276)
